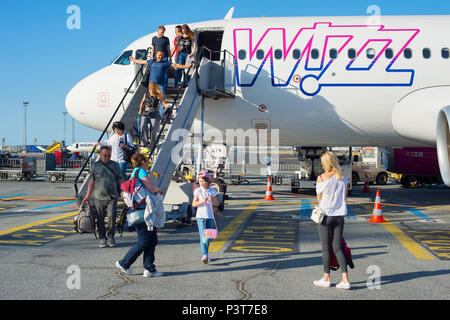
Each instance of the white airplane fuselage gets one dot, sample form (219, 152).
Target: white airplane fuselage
(322, 81)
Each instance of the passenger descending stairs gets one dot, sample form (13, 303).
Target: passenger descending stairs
(185, 104)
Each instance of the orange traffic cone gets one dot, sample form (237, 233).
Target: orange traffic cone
(269, 195)
(366, 185)
(377, 214)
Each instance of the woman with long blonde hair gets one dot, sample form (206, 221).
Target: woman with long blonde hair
(186, 49)
(149, 109)
(332, 189)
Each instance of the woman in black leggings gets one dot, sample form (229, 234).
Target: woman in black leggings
(332, 189)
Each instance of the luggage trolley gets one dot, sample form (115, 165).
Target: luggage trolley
(60, 170)
(17, 168)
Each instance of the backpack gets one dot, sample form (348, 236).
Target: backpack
(84, 221)
(133, 192)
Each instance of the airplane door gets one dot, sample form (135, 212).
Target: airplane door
(212, 40)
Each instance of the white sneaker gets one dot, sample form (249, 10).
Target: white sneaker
(322, 283)
(156, 273)
(205, 259)
(123, 270)
(343, 285)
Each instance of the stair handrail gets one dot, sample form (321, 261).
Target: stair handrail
(109, 123)
(173, 104)
(201, 54)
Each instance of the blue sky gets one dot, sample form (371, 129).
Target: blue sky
(41, 59)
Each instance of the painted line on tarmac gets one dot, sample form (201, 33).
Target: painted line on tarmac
(37, 223)
(55, 205)
(437, 241)
(305, 208)
(412, 246)
(267, 232)
(417, 250)
(418, 213)
(15, 195)
(231, 228)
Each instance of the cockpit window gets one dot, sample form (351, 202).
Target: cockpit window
(141, 54)
(124, 58)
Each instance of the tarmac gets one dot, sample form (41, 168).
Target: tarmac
(266, 250)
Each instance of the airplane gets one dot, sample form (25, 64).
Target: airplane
(81, 147)
(322, 81)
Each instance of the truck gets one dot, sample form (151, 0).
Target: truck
(417, 166)
(311, 167)
(369, 163)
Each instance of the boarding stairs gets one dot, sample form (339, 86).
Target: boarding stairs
(208, 79)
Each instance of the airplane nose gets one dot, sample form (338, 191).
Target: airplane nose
(74, 106)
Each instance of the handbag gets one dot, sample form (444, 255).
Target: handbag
(128, 153)
(135, 217)
(211, 233)
(317, 215)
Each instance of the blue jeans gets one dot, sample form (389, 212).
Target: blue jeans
(123, 168)
(182, 57)
(203, 224)
(147, 241)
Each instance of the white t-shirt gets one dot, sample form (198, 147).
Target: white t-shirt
(205, 210)
(114, 141)
(333, 192)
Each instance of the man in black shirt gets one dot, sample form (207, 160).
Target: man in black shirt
(160, 42)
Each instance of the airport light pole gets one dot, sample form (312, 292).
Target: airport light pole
(25, 105)
(73, 130)
(64, 114)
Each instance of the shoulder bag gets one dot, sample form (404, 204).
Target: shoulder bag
(317, 215)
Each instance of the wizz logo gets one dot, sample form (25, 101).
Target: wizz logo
(314, 58)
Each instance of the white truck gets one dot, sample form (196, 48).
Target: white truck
(311, 167)
(369, 162)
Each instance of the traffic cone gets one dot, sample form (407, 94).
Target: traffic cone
(269, 195)
(377, 214)
(366, 185)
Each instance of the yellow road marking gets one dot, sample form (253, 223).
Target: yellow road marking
(410, 244)
(417, 250)
(37, 223)
(231, 228)
(263, 202)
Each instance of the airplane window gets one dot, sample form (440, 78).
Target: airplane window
(315, 54)
(124, 58)
(389, 53)
(445, 53)
(407, 53)
(278, 54)
(260, 54)
(333, 53)
(352, 53)
(370, 53)
(426, 53)
(242, 54)
(141, 54)
(296, 54)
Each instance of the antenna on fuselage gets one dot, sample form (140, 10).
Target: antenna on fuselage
(229, 15)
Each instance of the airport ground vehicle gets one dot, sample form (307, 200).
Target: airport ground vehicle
(369, 164)
(311, 167)
(418, 166)
(17, 168)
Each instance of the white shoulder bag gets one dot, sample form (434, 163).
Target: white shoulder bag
(317, 215)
